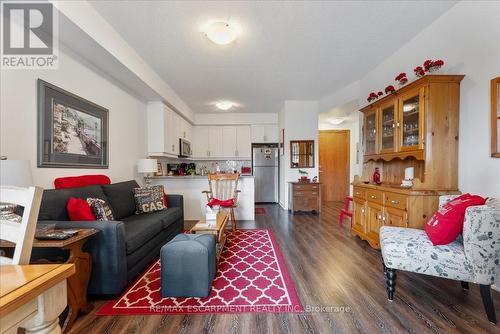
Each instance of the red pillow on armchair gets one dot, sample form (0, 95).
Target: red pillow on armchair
(447, 224)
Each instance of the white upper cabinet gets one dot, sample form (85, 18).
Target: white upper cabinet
(215, 142)
(265, 133)
(200, 142)
(229, 143)
(165, 127)
(243, 142)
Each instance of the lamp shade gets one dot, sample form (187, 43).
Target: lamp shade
(15, 173)
(147, 166)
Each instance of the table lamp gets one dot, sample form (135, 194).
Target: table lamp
(147, 166)
(14, 173)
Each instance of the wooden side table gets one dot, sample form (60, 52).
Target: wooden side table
(77, 283)
(218, 229)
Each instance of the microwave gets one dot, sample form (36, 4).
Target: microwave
(184, 148)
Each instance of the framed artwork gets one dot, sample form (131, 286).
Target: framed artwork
(282, 142)
(72, 132)
(159, 171)
(495, 117)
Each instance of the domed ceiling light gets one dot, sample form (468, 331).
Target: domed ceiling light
(221, 32)
(224, 105)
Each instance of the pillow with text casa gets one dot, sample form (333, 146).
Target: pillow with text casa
(149, 199)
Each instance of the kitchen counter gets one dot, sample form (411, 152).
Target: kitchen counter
(191, 187)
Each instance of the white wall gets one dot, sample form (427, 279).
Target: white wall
(18, 117)
(300, 121)
(350, 110)
(467, 38)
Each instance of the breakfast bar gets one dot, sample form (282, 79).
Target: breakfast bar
(191, 187)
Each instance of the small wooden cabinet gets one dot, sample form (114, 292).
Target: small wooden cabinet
(304, 196)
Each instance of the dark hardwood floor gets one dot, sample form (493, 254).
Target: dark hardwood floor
(333, 269)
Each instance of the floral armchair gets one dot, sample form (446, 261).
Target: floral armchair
(474, 259)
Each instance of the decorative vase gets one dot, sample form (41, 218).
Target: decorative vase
(376, 176)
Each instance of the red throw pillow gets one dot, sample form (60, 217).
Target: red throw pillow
(164, 199)
(78, 209)
(448, 223)
(80, 181)
(225, 203)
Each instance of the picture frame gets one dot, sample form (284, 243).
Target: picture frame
(72, 131)
(159, 171)
(495, 117)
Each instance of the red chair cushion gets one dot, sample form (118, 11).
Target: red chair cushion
(225, 203)
(78, 209)
(80, 181)
(448, 223)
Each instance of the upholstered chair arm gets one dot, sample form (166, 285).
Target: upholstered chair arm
(482, 241)
(445, 199)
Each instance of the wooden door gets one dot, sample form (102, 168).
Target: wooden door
(334, 164)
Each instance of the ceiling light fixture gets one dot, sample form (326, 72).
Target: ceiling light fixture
(221, 32)
(224, 105)
(337, 120)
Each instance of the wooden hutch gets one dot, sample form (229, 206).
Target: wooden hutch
(416, 126)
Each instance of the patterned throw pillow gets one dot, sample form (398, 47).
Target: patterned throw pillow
(149, 199)
(101, 209)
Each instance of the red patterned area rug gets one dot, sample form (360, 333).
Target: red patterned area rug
(252, 278)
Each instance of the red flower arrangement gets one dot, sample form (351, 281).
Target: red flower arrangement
(427, 65)
(372, 97)
(401, 78)
(432, 65)
(390, 89)
(419, 71)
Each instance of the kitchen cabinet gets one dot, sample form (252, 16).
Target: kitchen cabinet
(265, 133)
(184, 129)
(161, 133)
(243, 142)
(215, 142)
(200, 142)
(229, 144)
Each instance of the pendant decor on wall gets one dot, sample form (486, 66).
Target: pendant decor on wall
(72, 132)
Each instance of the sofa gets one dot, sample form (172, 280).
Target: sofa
(123, 248)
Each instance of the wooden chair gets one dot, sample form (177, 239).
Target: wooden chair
(22, 234)
(224, 187)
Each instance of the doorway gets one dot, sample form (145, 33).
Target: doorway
(334, 164)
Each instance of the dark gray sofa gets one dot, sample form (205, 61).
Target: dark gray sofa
(123, 248)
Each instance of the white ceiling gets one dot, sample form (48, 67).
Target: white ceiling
(288, 50)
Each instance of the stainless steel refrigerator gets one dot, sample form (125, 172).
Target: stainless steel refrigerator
(265, 170)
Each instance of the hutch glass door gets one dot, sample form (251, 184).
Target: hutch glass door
(411, 121)
(388, 133)
(370, 133)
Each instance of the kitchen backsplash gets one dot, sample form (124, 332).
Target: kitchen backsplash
(210, 165)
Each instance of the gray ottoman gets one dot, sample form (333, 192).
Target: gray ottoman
(188, 266)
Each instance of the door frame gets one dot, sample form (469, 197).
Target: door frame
(348, 186)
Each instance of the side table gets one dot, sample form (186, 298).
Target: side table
(77, 283)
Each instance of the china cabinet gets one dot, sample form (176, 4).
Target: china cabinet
(416, 126)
